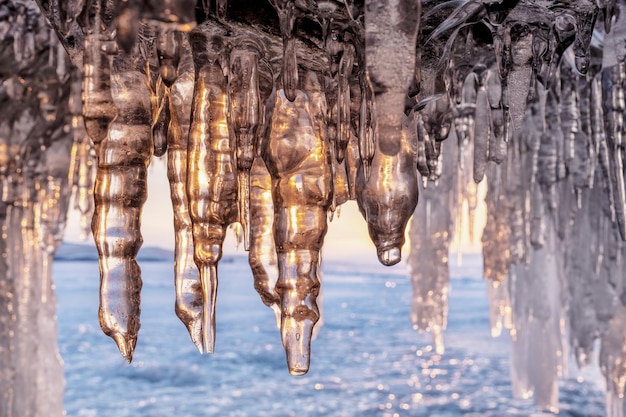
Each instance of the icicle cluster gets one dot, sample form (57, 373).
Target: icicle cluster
(35, 188)
(271, 118)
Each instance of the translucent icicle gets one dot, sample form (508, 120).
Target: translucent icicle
(497, 232)
(482, 124)
(98, 108)
(585, 22)
(168, 46)
(161, 118)
(287, 17)
(366, 130)
(343, 101)
(299, 162)
(211, 182)
(430, 235)
(262, 256)
(388, 198)
(613, 362)
(243, 85)
(614, 106)
(520, 74)
(390, 39)
(187, 283)
(497, 138)
(120, 192)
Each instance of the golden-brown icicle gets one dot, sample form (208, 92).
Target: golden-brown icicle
(98, 108)
(243, 85)
(391, 28)
(262, 255)
(211, 181)
(388, 198)
(120, 192)
(300, 165)
(189, 298)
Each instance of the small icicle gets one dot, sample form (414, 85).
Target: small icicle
(299, 162)
(187, 282)
(366, 130)
(390, 42)
(585, 22)
(343, 101)
(161, 121)
(520, 74)
(614, 107)
(245, 107)
(211, 181)
(168, 45)
(221, 8)
(287, 17)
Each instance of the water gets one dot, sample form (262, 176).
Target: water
(366, 361)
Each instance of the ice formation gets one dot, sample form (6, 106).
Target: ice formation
(272, 115)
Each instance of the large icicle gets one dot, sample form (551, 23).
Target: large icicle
(211, 174)
(120, 192)
(299, 162)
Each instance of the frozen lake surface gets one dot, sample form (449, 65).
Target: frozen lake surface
(366, 361)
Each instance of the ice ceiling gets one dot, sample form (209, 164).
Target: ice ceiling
(272, 115)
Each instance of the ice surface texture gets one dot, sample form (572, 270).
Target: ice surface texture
(272, 116)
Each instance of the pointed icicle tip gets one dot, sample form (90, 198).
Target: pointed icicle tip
(126, 345)
(296, 335)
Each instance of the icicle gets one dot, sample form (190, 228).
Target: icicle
(497, 137)
(187, 283)
(422, 138)
(585, 22)
(287, 17)
(482, 124)
(168, 45)
(430, 235)
(390, 32)
(496, 235)
(614, 105)
(343, 101)
(98, 108)
(161, 118)
(613, 362)
(519, 76)
(301, 189)
(243, 84)
(262, 256)
(120, 193)
(211, 180)
(388, 198)
(366, 128)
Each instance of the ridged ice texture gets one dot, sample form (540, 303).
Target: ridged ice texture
(119, 193)
(430, 235)
(211, 180)
(187, 283)
(300, 164)
(496, 68)
(35, 145)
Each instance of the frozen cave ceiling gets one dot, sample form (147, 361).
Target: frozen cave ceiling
(273, 114)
